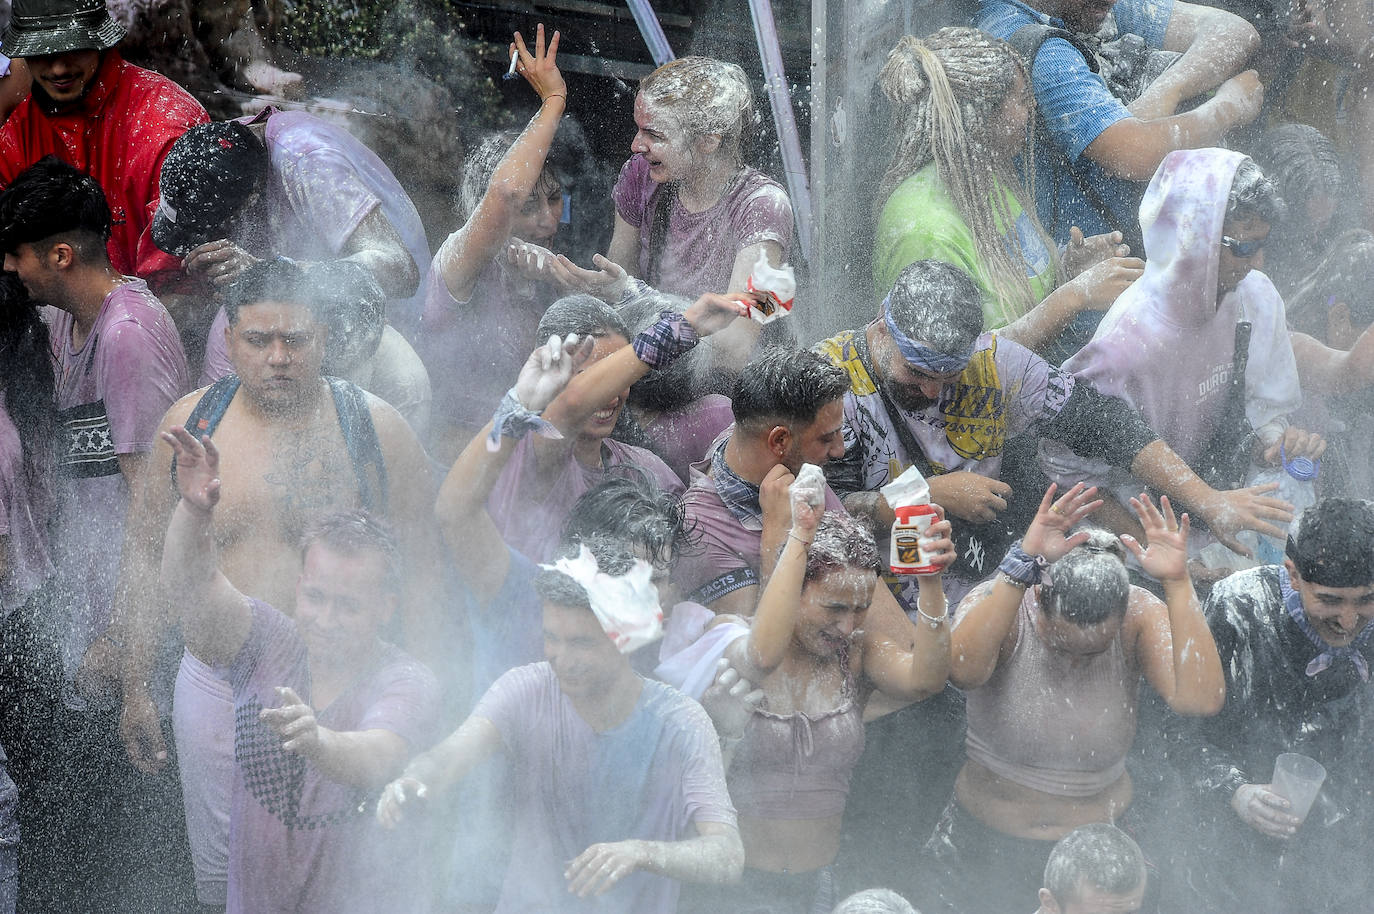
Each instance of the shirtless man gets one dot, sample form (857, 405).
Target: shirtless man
(287, 460)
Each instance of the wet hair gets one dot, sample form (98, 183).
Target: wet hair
(585, 315)
(613, 557)
(1333, 543)
(686, 378)
(1301, 162)
(345, 297)
(841, 542)
(51, 201)
(1099, 856)
(1252, 194)
(484, 159)
(352, 532)
(1345, 274)
(937, 304)
(27, 382)
(634, 510)
(700, 96)
(875, 901)
(1089, 585)
(267, 280)
(946, 92)
(786, 386)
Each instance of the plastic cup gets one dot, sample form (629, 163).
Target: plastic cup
(1297, 779)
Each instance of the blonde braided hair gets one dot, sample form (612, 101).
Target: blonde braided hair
(946, 93)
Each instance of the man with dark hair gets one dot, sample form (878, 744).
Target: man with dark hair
(618, 786)
(298, 446)
(325, 710)
(788, 406)
(1296, 643)
(119, 365)
(104, 116)
(928, 388)
(1094, 869)
(362, 347)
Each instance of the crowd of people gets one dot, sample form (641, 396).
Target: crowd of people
(343, 573)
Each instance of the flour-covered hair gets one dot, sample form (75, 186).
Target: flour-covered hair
(702, 95)
(947, 92)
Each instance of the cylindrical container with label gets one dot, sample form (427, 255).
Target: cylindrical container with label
(907, 532)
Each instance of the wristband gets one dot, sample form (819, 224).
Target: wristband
(665, 341)
(806, 544)
(1022, 567)
(513, 420)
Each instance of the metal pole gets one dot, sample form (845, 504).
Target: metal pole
(652, 31)
(794, 166)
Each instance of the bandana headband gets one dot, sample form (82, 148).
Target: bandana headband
(920, 355)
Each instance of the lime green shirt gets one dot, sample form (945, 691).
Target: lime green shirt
(920, 222)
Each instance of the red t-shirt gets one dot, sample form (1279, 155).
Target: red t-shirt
(119, 133)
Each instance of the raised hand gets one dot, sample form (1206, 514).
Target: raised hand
(937, 543)
(549, 369)
(1047, 534)
(394, 796)
(712, 312)
(1165, 558)
(197, 469)
(540, 69)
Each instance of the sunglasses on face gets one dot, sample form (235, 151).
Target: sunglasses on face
(1243, 248)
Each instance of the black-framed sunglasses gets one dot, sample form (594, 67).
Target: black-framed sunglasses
(1243, 248)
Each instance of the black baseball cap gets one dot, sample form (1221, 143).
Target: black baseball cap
(208, 175)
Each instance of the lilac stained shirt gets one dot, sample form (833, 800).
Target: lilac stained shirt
(726, 557)
(111, 395)
(299, 841)
(325, 182)
(700, 252)
(529, 511)
(474, 349)
(683, 436)
(649, 778)
(25, 505)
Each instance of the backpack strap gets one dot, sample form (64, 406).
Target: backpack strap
(1028, 39)
(364, 448)
(209, 410)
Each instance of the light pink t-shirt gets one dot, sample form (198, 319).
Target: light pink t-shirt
(700, 251)
(529, 510)
(299, 841)
(649, 778)
(25, 505)
(111, 394)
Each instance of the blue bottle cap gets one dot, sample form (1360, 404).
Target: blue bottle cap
(1302, 469)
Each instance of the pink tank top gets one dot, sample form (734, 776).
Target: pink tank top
(793, 766)
(1052, 721)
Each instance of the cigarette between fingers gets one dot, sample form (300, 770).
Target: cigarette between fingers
(514, 59)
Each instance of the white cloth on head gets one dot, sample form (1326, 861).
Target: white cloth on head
(626, 605)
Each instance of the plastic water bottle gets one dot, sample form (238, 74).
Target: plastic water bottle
(1297, 479)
